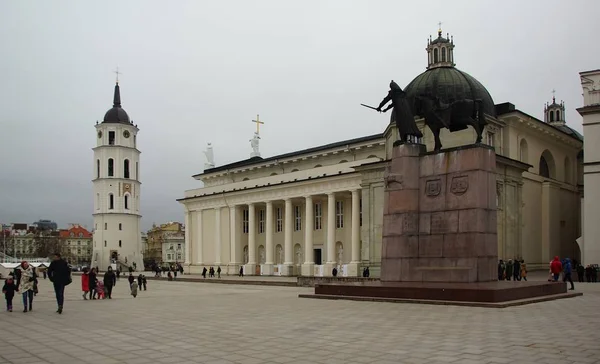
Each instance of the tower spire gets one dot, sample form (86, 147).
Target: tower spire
(117, 97)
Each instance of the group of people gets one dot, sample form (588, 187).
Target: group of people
(565, 267)
(512, 269)
(211, 272)
(101, 289)
(588, 273)
(171, 271)
(24, 280)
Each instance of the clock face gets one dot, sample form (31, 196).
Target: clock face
(126, 133)
(100, 134)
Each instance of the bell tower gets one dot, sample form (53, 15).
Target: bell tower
(116, 181)
(554, 113)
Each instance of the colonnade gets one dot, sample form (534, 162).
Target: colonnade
(308, 228)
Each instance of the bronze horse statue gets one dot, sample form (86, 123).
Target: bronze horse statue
(454, 116)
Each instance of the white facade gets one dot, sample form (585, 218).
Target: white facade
(117, 185)
(590, 82)
(173, 250)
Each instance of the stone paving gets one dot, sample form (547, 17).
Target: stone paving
(179, 322)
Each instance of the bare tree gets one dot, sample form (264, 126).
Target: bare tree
(46, 243)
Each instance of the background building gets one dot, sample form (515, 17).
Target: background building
(590, 82)
(165, 244)
(76, 242)
(117, 187)
(307, 211)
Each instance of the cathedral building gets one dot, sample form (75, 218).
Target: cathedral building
(305, 212)
(116, 181)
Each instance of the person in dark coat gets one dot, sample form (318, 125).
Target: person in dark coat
(204, 270)
(517, 270)
(402, 114)
(59, 274)
(110, 280)
(130, 279)
(144, 281)
(509, 269)
(93, 280)
(580, 272)
(9, 290)
(567, 269)
(139, 281)
(500, 270)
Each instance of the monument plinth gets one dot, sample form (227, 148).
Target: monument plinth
(440, 220)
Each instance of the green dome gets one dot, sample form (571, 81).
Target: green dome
(450, 84)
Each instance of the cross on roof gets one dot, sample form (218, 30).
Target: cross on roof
(258, 122)
(118, 73)
(553, 94)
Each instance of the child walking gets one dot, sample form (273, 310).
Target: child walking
(134, 289)
(9, 289)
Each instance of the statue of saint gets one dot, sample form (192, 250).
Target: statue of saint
(246, 255)
(340, 254)
(254, 144)
(402, 114)
(210, 158)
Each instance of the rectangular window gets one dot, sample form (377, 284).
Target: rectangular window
(245, 218)
(360, 210)
(279, 218)
(261, 221)
(111, 201)
(111, 165)
(105, 226)
(339, 214)
(126, 168)
(120, 226)
(490, 139)
(297, 218)
(111, 138)
(178, 246)
(105, 243)
(178, 256)
(318, 216)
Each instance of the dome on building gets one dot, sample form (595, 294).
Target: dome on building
(116, 114)
(445, 81)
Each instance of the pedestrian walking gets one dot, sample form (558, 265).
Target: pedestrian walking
(9, 290)
(60, 276)
(110, 280)
(26, 286)
(567, 269)
(144, 281)
(523, 270)
(218, 272)
(85, 284)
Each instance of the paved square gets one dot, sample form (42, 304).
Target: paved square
(177, 322)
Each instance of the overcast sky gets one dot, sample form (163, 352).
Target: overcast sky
(199, 71)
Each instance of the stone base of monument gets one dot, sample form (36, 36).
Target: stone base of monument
(498, 294)
(439, 233)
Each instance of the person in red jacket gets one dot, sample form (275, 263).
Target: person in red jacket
(556, 268)
(85, 284)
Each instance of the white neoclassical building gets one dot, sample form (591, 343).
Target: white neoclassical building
(116, 181)
(590, 82)
(302, 213)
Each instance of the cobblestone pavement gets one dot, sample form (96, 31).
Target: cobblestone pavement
(178, 322)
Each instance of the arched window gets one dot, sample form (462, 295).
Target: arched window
(111, 165)
(126, 168)
(523, 151)
(444, 54)
(547, 167)
(111, 201)
(98, 168)
(435, 55)
(557, 115)
(126, 201)
(119, 243)
(120, 226)
(551, 115)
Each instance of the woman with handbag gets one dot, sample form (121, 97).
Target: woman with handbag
(26, 285)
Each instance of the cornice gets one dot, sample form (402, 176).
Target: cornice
(114, 147)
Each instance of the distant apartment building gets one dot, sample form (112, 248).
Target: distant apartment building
(76, 244)
(165, 243)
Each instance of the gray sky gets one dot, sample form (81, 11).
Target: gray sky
(199, 71)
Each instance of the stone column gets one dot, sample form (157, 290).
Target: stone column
(330, 262)
(353, 267)
(250, 268)
(267, 268)
(233, 242)
(550, 217)
(199, 242)
(188, 243)
(309, 257)
(288, 249)
(217, 236)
